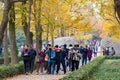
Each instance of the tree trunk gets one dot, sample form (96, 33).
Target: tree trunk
(4, 22)
(12, 34)
(39, 37)
(47, 33)
(5, 43)
(26, 26)
(24, 19)
(52, 39)
(62, 32)
(38, 26)
(117, 8)
(29, 34)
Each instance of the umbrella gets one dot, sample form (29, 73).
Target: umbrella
(116, 46)
(65, 40)
(106, 42)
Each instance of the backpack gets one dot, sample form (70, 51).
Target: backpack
(75, 55)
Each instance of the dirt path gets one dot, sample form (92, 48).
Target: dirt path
(36, 77)
(39, 77)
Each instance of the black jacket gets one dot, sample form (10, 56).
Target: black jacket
(27, 57)
(32, 53)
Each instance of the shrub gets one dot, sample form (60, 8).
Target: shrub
(84, 71)
(112, 57)
(11, 70)
(2, 59)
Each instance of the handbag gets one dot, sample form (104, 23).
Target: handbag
(46, 57)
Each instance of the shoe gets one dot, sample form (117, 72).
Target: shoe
(31, 72)
(56, 73)
(26, 73)
(64, 72)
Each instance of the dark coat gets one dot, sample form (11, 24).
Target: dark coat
(26, 57)
(32, 53)
(63, 55)
(84, 54)
(41, 56)
(57, 54)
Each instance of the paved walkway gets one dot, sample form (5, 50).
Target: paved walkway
(39, 77)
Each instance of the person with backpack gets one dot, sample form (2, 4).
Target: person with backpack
(26, 59)
(32, 53)
(40, 61)
(75, 58)
(51, 59)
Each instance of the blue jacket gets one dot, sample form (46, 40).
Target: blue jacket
(51, 54)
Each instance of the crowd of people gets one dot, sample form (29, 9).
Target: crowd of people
(52, 60)
(109, 51)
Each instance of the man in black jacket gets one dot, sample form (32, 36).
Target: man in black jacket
(84, 55)
(32, 53)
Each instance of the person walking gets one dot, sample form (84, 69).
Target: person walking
(103, 51)
(84, 55)
(95, 51)
(107, 51)
(70, 57)
(0, 50)
(58, 55)
(51, 59)
(62, 60)
(40, 61)
(26, 59)
(46, 60)
(89, 54)
(66, 52)
(75, 58)
(112, 51)
(32, 53)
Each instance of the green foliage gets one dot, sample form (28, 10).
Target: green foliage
(2, 59)
(11, 70)
(109, 70)
(112, 57)
(20, 38)
(85, 71)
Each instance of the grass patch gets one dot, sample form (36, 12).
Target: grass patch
(108, 70)
(83, 72)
